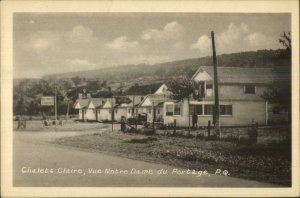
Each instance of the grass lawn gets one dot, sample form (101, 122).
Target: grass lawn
(269, 163)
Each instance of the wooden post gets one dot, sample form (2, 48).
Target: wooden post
(55, 107)
(208, 128)
(112, 115)
(174, 129)
(134, 114)
(153, 117)
(217, 106)
(189, 115)
(256, 133)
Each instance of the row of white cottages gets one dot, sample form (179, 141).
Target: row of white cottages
(240, 91)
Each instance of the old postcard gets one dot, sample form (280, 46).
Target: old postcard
(149, 98)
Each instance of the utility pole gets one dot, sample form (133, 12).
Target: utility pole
(134, 115)
(112, 114)
(55, 102)
(55, 106)
(153, 116)
(217, 106)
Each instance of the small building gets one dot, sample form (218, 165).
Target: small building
(128, 107)
(106, 110)
(94, 108)
(240, 100)
(81, 105)
(152, 106)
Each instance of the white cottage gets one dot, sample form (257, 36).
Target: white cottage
(93, 109)
(106, 110)
(152, 106)
(81, 105)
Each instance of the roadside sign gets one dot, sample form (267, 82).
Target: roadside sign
(47, 100)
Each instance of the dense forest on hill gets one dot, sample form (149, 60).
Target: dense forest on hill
(126, 73)
(120, 79)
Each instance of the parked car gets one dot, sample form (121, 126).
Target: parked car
(140, 119)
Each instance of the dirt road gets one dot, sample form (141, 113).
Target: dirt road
(37, 162)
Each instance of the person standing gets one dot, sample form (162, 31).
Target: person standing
(123, 124)
(195, 120)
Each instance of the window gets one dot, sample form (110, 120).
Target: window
(208, 109)
(249, 89)
(110, 111)
(197, 109)
(225, 109)
(129, 111)
(116, 110)
(94, 111)
(169, 109)
(177, 109)
(149, 110)
(158, 111)
(209, 89)
(200, 92)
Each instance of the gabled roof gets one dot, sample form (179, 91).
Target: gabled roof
(143, 89)
(155, 99)
(109, 102)
(82, 102)
(97, 102)
(163, 89)
(239, 75)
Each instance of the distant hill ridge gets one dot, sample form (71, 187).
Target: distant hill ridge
(164, 71)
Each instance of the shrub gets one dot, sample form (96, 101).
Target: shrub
(148, 131)
(143, 140)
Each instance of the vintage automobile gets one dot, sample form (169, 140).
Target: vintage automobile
(140, 119)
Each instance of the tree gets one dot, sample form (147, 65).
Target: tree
(181, 89)
(280, 92)
(286, 40)
(76, 80)
(64, 88)
(21, 107)
(93, 85)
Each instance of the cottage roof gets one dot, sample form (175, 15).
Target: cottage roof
(239, 75)
(143, 89)
(155, 99)
(97, 102)
(81, 103)
(109, 102)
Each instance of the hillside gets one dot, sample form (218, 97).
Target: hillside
(130, 79)
(163, 71)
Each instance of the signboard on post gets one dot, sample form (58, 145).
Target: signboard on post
(47, 100)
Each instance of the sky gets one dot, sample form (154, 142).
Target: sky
(47, 43)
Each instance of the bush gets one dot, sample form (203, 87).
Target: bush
(148, 131)
(143, 140)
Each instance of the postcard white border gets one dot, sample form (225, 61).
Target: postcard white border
(205, 6)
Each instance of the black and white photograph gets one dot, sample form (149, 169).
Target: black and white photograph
(152, 99)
